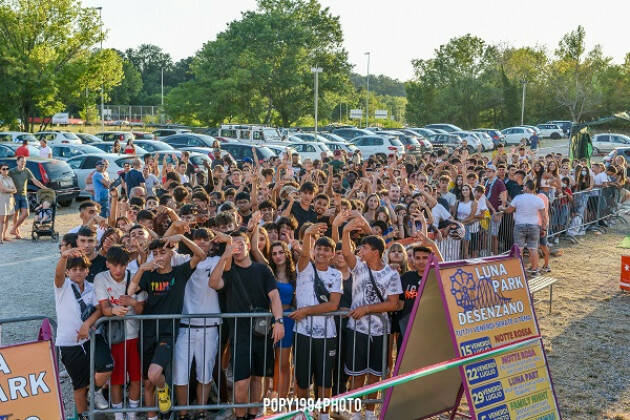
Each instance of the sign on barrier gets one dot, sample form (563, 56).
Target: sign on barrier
(463, 308)
(29, 387)
(624, 278)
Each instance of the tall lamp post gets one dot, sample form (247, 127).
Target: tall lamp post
(100, 17)
(524, 83)
(367, 96)
(162, 97)
(316, 70)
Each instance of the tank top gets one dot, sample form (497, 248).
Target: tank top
(286, 292)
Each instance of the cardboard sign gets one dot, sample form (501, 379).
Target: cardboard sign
(624, 278)
(476, 306)
(29, 387)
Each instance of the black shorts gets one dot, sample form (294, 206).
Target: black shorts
(76, 359)
(322, 351)
(357, 349)
(251, 359)
(158, 351)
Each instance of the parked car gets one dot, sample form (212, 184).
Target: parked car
(623, 151)
(178, 141)
(310, 137)
(350, 133)
(67, 151)
(83, 165)
(331, 136)
(152, 146)
(486, 140)
(54, 174)
(17, 137)
(424, 132)
(474, 142)
(342, 145)
(165, 132)
(443, 141)
(58, 137)
(279, 149)
(605, 142)
(449, 128)
(374, 129)
(196, 159)
(240, 151)
(9, 149)
(563, 124)
(108, 147)
(496, 135)
(533, 128)
(312, 150)
(514, 135)
(88, 138)
(550, 130)
(143, 135)
(378, 145)
(248, 133)
(121, 136)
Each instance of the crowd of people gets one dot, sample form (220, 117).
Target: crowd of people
(294, 239)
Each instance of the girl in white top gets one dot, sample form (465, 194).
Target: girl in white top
(466, 212)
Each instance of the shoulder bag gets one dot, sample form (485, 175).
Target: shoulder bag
(261, 325)
(321, 293)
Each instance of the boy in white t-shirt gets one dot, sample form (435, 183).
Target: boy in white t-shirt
(110, 289)
(74, 298)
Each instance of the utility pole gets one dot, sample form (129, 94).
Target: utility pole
(162, 97)
(367, 97)
(524, 83)
(100, 16)
(316, 70)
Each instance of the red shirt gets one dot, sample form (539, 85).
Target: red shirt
(22, 151)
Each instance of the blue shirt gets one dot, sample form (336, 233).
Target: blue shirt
(100, 190)
(133, 179)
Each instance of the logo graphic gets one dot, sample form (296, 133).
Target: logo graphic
(471, 294)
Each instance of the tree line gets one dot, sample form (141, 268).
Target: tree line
(258, 70)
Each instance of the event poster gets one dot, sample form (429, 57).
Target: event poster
(489, 306)
(29, 387)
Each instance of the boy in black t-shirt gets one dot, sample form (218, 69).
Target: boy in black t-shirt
(165, 286)
(248, 286)
(303, 210)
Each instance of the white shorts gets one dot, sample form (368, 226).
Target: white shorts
(203, 349)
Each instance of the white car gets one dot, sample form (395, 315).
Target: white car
(312, 150)
(378, 145)
(58, 137)
(279, 148)
(17, 137)
(605, 142)
(550, 130)
(84, 165)
(486, 140)
(347, 147)
(472, 139)
(514, 135)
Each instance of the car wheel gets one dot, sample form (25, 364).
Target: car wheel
(555, 135)
(65, 203)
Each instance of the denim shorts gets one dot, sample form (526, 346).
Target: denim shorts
(21, 201)
(495, 225)
(527, 235)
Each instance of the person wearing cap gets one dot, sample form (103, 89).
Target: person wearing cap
(101, 183)
(496, 193)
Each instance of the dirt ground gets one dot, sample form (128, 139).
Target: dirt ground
(586, 336)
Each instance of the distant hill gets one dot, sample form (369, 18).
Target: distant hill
(381, 84)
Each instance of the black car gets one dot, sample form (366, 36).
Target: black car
(350, 133)
(54, 174)
(189, 140)
(445, 141)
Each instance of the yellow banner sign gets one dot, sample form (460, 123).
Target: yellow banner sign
(29, 387)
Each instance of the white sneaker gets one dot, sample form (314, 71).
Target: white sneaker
(99, 400)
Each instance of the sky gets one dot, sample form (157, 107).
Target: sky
(394, 32)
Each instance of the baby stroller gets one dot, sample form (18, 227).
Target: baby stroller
(44, 222)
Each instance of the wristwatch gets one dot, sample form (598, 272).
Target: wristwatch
(279, 321)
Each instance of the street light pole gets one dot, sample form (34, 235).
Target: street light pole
(316, 70)
(367, 97)
(100, 17)
(162, 97)
(524, 82)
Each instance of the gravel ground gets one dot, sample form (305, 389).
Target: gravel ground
(586, 336)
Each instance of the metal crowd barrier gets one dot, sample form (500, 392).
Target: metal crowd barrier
(219, 385)
(569, 217)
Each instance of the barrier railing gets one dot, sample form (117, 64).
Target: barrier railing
(569, 216)
(173, 329)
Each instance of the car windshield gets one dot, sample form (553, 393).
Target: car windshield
(89, 149)
(264, 152)
(271, 134)
(395, 142)
(152, 146)
(70, 136)
(28, 137)
(55, 168)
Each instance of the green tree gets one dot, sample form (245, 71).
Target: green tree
(41, 42)
(127, 92)
(259, 69)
